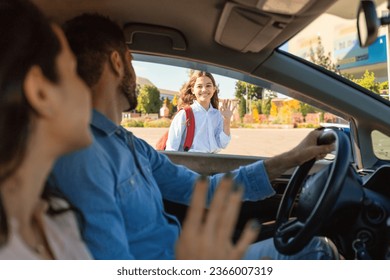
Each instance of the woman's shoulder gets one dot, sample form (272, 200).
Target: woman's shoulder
(64, 236)
(16, 248)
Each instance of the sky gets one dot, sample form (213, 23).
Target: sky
(172, 77)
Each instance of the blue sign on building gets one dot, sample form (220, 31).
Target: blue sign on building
(354, 56)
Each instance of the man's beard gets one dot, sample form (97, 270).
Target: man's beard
(128, 88)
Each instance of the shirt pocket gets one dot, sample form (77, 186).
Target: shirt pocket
(138, 202)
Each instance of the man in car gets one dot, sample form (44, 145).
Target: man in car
(120, 181)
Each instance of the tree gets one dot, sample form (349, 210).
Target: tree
(384, 85)
(255, 114)
(319, 57)
(286, 111)
(266, 106)
(175, 102)
(242, 107)
(274, 110)
(257, 104)
(384, 89)
(368, 81)
(149, 99)
(251, 92)
(307, 109)
(284, 114)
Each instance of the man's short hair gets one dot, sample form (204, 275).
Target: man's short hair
(92, 38)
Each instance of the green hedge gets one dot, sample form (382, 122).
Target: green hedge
(158, 123)
(132, 123)
(146, 123)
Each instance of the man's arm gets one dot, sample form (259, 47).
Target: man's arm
(176, 182)
(305, 151)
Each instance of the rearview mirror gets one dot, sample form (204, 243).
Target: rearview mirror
(367, 23)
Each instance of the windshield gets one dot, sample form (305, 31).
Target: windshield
(331, 41)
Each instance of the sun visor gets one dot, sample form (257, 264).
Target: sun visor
(247, 29)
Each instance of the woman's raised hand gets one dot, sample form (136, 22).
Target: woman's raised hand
(211, 237)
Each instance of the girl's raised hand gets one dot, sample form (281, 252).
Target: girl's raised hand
(227, 108)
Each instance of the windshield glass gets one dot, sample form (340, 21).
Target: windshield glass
(279, 121)
(331, 42)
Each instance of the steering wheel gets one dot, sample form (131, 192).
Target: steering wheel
(315, 202)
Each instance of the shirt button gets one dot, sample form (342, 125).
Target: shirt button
(118, 132)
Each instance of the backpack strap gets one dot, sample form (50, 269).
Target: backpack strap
(190, 123)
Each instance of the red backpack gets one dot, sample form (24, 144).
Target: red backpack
(190, 123)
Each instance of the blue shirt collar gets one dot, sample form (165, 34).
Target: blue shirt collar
(102, 123)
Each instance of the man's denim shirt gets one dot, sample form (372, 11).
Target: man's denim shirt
(118, 184)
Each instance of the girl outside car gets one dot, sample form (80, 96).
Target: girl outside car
(212, 126)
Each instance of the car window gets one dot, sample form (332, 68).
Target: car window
(331, 41)
(381, 145)
(264, 123)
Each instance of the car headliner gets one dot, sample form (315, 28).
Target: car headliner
(198, 22)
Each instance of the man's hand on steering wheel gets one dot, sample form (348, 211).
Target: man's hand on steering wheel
(310, 148)
(306, 150)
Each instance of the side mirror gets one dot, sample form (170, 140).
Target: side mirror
(367, 23)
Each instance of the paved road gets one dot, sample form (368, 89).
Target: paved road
(253, 142)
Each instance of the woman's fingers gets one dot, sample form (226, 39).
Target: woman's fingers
(218, 204)
(212, 238)
(228, 220)
(187, 246)
(250, 233)
(195, 212)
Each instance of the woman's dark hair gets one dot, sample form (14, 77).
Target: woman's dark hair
(186, 95)
(92, 48)
(27, 39)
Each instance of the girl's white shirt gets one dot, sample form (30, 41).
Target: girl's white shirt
(209, 135)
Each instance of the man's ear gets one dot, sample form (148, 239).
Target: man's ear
(38, 93)
(116, 63)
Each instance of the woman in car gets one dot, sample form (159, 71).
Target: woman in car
(212, 126)
(39, 89)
